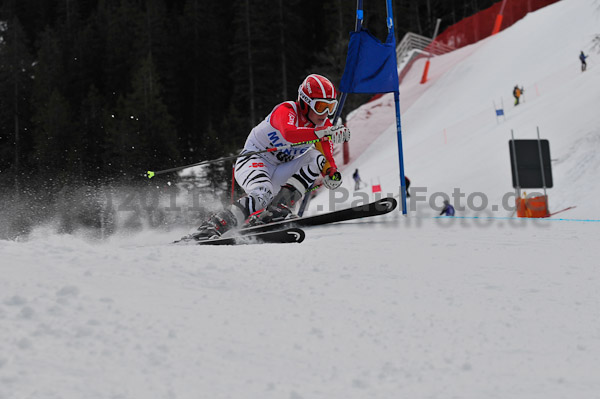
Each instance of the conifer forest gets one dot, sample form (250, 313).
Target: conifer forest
(97, 90)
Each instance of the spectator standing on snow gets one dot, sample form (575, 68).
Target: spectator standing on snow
(448, 209)
(517, 92)
(582, 58)
(357, 180)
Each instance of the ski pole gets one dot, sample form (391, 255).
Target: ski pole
(150, 174)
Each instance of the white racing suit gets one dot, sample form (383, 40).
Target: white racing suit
(273, 181)
(262, 175)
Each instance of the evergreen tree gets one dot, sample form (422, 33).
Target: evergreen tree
(141, 135)
(49, 68)
(15, 91)
(206, 66)
(119, 22)
(92, 117)
(82, 50)
(55, 133)
(56, 143)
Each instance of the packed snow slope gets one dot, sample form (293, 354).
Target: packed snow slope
(394, 307)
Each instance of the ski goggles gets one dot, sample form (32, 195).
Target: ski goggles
(319, 105)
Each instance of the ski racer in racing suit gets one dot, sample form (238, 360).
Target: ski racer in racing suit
(275, 181)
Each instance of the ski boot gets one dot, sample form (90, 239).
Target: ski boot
(280, 208)
(218, 224)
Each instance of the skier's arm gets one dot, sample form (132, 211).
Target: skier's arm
(326, 148)
(284, 119)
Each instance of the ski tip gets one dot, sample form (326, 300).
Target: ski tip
(285, 236)
(296, 234)
(387, 204)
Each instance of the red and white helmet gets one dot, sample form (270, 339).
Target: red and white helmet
(318, 93)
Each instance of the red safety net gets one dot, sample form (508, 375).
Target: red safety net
(481, 25)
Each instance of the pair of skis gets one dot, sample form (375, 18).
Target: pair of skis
(289, 230)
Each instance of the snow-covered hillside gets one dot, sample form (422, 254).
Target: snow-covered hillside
(394, 307)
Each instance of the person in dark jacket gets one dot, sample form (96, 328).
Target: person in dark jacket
(582, 58)
(448, 209)
(357, 180)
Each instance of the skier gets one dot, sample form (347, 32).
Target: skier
(357, 180)
(582, 58)
(274, 181)
(517, 93)
(448, 209)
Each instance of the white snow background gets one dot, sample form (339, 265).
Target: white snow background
(394, 307)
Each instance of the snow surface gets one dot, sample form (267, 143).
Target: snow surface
(395, 307)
